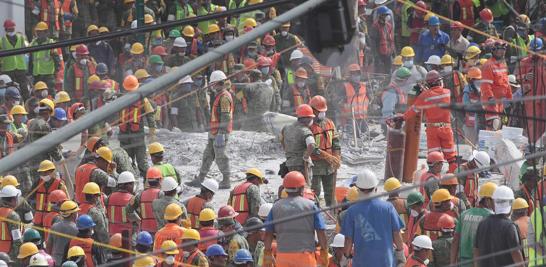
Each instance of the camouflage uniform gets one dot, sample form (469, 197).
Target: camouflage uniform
(176, 60)
(14, 230)
(276, 84)
(199, 260)
(135, 63)
(254, 200)
(38, 128)
(159, 206)
(102, 178)
(441, 252)
(24, 208)
(235, 243)
(259, 97)
(258, 253)
(123, 161)
(98, 214)
(323, 172)
(293, 139)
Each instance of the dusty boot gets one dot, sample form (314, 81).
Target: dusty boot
(225, 183)
(196, 182)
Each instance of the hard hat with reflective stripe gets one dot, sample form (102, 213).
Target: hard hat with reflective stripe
(207, 215)
(91, 188)
(46, 165)
(26, 250)
(172, 212)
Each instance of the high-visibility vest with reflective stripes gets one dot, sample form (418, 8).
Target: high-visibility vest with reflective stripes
(167, 170)
(215, 114)
(467, 12)
(5, 233)
(131, 116)
(41, 207)
(470, 185)
(7, 147)
(536, 253)
(300, 97)
(66, 8)
(45, 14)
(117, 213)
(80, 79)
(42, 61)
(413, 228)
(239, 201)
(429, 224)
(182, 13)
(85, 207)
(83, 176)
(48, 221)
(115, 85)
(289, 76)
(87, 245)
(357, 101)
(11, 63)
(323, 136)
(146, 210)
(195, 206)
(206, 232)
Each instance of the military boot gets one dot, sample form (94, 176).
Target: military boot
(225, 183)
(197, 180)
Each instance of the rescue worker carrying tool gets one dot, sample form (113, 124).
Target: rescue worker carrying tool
(119, 219)
(198, 203)
(47, 183)
(142, 201)
(245, 198)
(10, 240)
(438, 120)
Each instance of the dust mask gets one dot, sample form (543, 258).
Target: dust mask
(10, 34)
(284, 33)
(16, 102)
(73, 54)
(322, 115)
(229, 37)
(426, 262)
(414, 213)
(45, 177)
(169, 260)
(408, 64)
(300, 84)
(83, 61)
(448, 69)
(43, 93)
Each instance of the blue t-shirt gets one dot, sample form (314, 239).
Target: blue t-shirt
(370, 225)
(428, 46)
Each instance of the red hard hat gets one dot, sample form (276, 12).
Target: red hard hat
(57, 196)
(486, 15)
(227, 211)
(457, 25)
(82, 50)
(421, 4)
(435, 156)
(9, 24)
(304, 111)
(249, 63)
(361, 2)
(433, 76)
(269, 40)
(354, 67)
(446, 222)
(318, 102)
(153, 173)
(159, 50)
(264, 61)
(293, 179)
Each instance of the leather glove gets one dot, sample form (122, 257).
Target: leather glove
(400, 258)
(324, 257)
(219, 140)
(151, 135)
(330, 159)
(268, 259)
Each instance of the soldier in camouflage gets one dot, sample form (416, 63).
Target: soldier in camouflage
(233, 242)
(442, 245)
(170, 188)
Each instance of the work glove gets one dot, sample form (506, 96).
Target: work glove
(400, 258)
(324, 257)
(220, 140)
(333, 161)
(268, 259)
(151, 135)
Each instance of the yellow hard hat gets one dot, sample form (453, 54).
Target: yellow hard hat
(128, 1)
(40, 86)
(75, 251)
(105, 153)
(92, 27)
(137, 48)
(172, 212)
(73, 48)
(10, 180)
(46, 165)
(407, 51)
(141, 74)
(48, 102)
(286, 24)
(91, 188)
(250, 22)
(41, 26)
(68, 207)
(256, 172)
(207, 215)
(148, 19)
(487, 189)
(391, 184)
(191, 234)
(155, 148)
(188, 31)
(441, 195)
(103, 29)
(483, 61)
(18, 110)
(397, 61)
(446, 59)
(93, 78)
(520, 203)
(27, 249)
(427, 16)
(472, 52)
(146, 261)
(253, 2)
(62, 97)
(213, 28)
(170, 247)
(352, 195)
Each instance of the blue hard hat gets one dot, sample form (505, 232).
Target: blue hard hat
(382, 10)
(535, 45)
(215, 250)
(12, 92)
(60, 114)
(433, 21)
(144, 238)
(84, 222)
(102, 69)
(242, 256)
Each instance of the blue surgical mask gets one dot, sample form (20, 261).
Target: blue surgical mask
(252, 53)
(24, 119)
(408, 63)
(158, 68)
(355, 78)
(264, 70)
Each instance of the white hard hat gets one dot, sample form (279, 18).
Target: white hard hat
(380, 2)
(126, 177)
(296, 54)
(168, 184)
(38, 260)
(5, 79)
(186, 79)
(3, 264)
(366, 180)
(211, 185)
(264, 210)
(513, 81)
(9, 191)
(180, 42)
(434, 60)
(422, 241)
(503, 192)
(217, 76)
(134, 24)
(481, 158)
(339, 241)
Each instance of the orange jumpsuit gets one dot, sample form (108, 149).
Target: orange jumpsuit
(536, 66)
(438, 122)
(494, 86)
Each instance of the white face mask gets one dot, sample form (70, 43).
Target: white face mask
(445, 168)
(36, 110)
(83, 61)
(408, 64)
(448, 69)
(300, 84)
(16, 102)
(73, 54)
(229, 37)
(426, 262)
(10, 33)
(169, 260)
(414, 213)
(43, 93)
(322, 115)
(45, 177)
(284, 33)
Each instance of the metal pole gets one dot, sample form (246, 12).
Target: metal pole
(43, 144)
(139, 6)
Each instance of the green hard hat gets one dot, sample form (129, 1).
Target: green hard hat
(403, 73)
(174, 33)
(155, 59)
(414, 198)
(31, 235)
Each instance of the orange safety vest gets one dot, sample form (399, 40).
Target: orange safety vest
(87, 245)
(412, 262)
(386, 38)
(133, 112)
(85, 207)
(83, 176)
(323, 136)
(205, 233)
(117, 213)
(215, 115)
(115, 85)
(195, 206)
(8, 147)
(66, 9)
(79, 78)
(424, 178)
(5, 233)
(170, 231)
(357, 101)
(300, 97)
(146, 211)
(239, 201)
(467, 12)
(44, 12)
(414, 228)
(190, 259)
(48, 221)
(470, 185)
(429, 224)
(42, 193)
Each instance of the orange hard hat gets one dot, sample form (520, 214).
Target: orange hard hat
(293, 179)
(115, 240)
(130, 83)
(153, 173)
(249, 63)
(435, 156)
(304, 111)
(264, 61)
(301, 73)
(91, 143)
(354, 67)
(268, 40)
(446, 221)
(318, 102)
(159, 50)
(452, 180)
(474, 73)
(57, 196)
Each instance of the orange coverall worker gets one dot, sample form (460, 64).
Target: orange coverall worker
(494, 87)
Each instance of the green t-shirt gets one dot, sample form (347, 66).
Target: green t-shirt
(466, 227)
